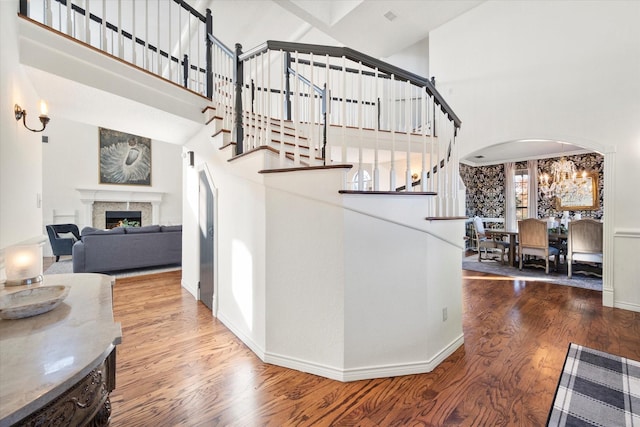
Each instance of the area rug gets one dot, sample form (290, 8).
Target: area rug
(530, 273)
(596, 388)
(66, 266)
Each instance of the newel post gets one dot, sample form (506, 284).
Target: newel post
(238, 76)
(325, 111)
(209, 54)
(185, 71)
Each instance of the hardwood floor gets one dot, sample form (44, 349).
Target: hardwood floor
(178, 366)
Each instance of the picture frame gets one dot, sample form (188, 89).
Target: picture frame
(585, 199)
(124, 158)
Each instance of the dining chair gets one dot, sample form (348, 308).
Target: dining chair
(487, 241)
(534, 240)
(584, 242)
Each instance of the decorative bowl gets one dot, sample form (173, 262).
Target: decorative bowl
(31, 302)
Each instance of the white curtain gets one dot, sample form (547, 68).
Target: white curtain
(510, 196)
(532, 166)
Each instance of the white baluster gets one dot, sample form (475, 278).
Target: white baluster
(283, 99)
(87, 23)
(296, 120)
(431, 131)
(376, 169)
(158, 56)
(407, 126)
(120, 36)
(392, 172)
(344, 110)
(133, 33)
(312, 116)
(360, 131)
(327, 118)
(103, 27)
(423, 121)
(70, 29)
(268, 100)
(147, 18)
(47, 13)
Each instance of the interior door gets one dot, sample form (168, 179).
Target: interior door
(206, 241)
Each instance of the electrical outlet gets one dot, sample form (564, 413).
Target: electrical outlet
(444, 314)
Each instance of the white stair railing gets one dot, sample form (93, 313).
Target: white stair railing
(392, 125)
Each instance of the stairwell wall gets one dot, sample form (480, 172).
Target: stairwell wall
(239, 232)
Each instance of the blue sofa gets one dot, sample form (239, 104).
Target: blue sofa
(125, 248)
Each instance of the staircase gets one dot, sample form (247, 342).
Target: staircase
(321, 265)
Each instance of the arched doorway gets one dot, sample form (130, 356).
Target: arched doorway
(524, 149)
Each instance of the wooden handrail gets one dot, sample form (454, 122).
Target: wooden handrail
(354, 55)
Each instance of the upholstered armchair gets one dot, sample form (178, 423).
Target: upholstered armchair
(62, 238)
(534, 240)
(488, 242)
(584, 242)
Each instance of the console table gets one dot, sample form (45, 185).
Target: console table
(59, 367)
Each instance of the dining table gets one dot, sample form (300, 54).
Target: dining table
(554, 235)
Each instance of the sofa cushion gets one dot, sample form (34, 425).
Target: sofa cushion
(166, 228)
(145, 229)
(90, 231)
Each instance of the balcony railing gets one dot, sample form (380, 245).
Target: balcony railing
(335, 104)
(166, 38)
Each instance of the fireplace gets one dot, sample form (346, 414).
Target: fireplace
(122, 218)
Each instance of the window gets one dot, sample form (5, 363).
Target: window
(521, 183)
(366, 181)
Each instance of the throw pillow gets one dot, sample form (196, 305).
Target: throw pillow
(67, 235)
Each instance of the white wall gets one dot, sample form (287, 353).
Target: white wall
(415, 58)
(239, 234)
(70, 160)
(20, 150)
(561, 71)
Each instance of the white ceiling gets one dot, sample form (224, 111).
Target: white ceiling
(514, 151)
(358, 24)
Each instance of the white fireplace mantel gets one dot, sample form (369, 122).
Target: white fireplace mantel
(90, 195)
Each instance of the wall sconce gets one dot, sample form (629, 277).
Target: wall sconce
(22, 114)
(23, 264)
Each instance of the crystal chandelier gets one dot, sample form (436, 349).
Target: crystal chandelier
(562, 179)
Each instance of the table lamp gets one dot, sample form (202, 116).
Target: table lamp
(23, 264)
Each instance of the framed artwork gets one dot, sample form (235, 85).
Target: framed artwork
(584, 199)
(124, 158)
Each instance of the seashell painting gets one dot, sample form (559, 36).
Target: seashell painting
(124, 158)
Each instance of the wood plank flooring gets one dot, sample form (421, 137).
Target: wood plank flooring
(179, 366)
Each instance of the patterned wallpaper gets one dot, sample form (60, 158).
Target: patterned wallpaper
(486, 188)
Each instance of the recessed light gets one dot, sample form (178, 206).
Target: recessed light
(479, 157)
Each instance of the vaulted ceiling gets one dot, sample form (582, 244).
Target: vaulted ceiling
(379, 28)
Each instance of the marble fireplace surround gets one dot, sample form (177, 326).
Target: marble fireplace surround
(97, 201)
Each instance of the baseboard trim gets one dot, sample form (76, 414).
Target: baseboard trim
(369, 372)
(607, 297)
(246, 339)
(193, 290)
(627, 306)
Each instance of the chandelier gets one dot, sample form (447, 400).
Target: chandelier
(562, 180)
